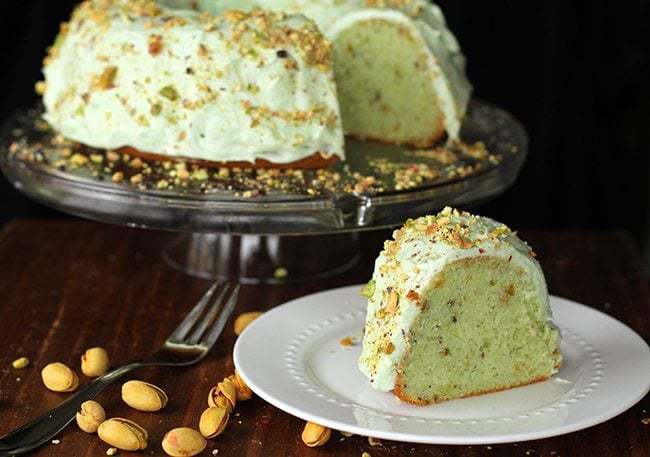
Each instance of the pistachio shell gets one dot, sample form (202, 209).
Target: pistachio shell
(123, 434)
(219, 401)
(183, 442)
(90, 416)
(95, 362)
(227, 388)
(315, 435)
(213, 421)
(223, 395)
(143, 396)
(233, 379)
(59, 377)
(243, 391)
(374, 441)
(244, 319)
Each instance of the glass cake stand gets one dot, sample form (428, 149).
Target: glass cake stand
(225, 230)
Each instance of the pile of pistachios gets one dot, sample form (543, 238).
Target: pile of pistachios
(124, 434)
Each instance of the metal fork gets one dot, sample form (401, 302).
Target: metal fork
(188, 344)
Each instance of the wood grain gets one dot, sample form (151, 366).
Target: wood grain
(69, 285)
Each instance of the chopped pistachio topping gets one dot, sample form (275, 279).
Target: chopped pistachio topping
(105, 80)
(170, 93)
(450, 226)
(369, 289)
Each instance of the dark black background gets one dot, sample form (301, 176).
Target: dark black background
(575, 73)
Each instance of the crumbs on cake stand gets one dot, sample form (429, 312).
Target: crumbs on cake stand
(35, 141)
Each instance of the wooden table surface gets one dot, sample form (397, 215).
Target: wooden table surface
(66, 285)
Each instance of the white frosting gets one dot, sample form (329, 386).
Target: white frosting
(413, 263)
(213, 91)
(324, 12)
(425, 19)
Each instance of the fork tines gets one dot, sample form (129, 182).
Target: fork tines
(208, 317)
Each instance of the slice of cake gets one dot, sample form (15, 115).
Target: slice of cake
(399, 71)
(229, 88)
(457, 306)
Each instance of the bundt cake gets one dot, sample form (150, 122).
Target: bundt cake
(457, 306)
(399, 70)
(234, 87)
(201, 79)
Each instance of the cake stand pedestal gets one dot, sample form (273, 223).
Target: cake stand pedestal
(255, 259)
(268, 238)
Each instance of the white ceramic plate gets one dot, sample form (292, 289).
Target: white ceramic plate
(292, 358)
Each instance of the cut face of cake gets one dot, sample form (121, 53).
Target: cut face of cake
(457, 306)
(237, 87)
(396, 78)
(399, 71)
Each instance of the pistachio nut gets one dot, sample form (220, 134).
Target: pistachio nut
(90, 416)
(20, 363)
(94, 362)
(183, 442)
(143, 396)
(244, 319)
(315, 435)
(213, 421)
(59, 377)
(243, 391)
(228, 389)
(123, 434)
(218, 401)
(223, 395)
(374, 441)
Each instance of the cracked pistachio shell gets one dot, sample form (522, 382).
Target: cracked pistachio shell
(218, 401)
(223, 395)
(213, 421)
(59, 377)
(143, 396)
(95, 362)
(315, 435)
(243, 391)
(228, 389)
(123, 434)
(244, 319)
(90, 416)
(183, 442)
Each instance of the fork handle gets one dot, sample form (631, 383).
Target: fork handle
(47, 426)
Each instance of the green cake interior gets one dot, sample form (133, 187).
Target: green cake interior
(384, 84)
(485, 329)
